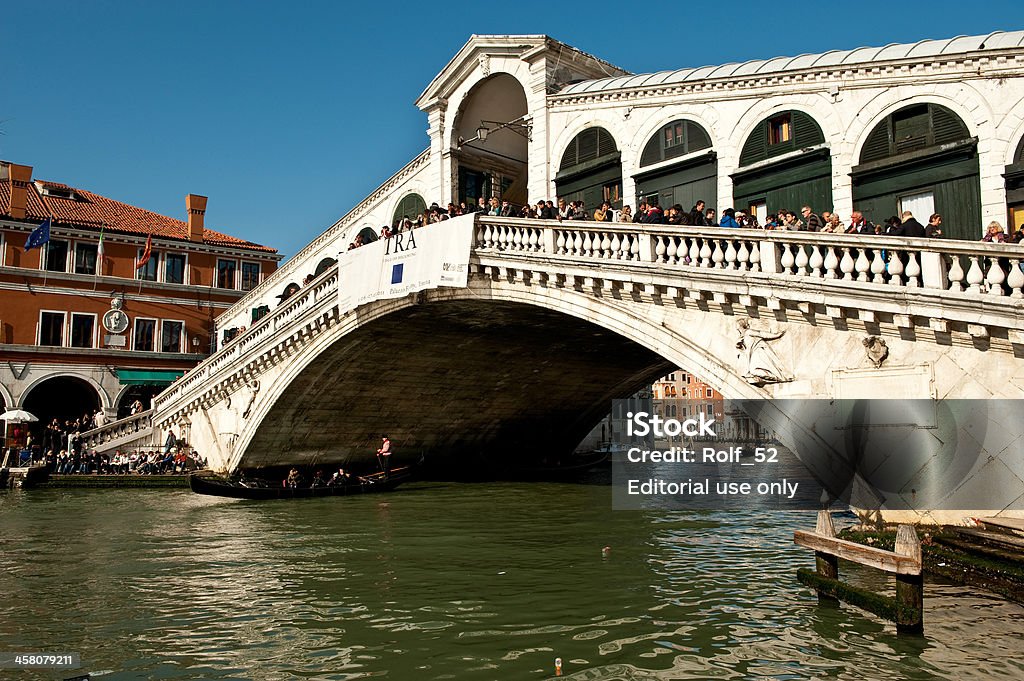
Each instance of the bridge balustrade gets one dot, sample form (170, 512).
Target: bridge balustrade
(991, 269)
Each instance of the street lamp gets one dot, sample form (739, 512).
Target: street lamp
(520, 126)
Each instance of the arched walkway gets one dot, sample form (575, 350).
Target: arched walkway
(65, 398)
(490, 138)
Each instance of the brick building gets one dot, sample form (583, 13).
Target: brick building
(81, 327)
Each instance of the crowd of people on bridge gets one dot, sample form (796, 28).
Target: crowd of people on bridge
(807, 219)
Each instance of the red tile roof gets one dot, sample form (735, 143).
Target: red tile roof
(92, 211)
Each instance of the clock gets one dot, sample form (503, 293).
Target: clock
(115, 321)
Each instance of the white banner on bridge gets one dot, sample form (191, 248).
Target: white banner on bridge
(425, 258)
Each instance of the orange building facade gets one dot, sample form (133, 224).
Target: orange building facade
(84, 327)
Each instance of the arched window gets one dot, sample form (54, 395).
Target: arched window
(590, 145)
(369, 235)
(409, 207)
(591, 170)
(913, 128)
(782, 133)
(678, 138)
(784, 164)
(921, 159)
(323, 266)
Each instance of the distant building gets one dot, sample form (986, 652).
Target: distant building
(81, 329)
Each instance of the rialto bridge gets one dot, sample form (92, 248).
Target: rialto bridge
(556, 319)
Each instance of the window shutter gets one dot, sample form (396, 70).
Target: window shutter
(652, 152)
(696, 138)
(569, 158)
(806, 131)
(756, 147)
(876, 147)
(947, 125)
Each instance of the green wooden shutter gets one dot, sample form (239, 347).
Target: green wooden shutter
(756, 147)
(652, 152)
(947, 126)
(878, 143)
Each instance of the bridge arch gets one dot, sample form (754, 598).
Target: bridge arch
(621, 350)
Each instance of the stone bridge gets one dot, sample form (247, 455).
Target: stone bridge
(560, 318)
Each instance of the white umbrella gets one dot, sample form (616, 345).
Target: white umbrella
(17, 416)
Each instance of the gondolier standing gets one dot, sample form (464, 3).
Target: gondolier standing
(384, 455)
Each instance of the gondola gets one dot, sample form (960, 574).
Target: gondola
(242, 488)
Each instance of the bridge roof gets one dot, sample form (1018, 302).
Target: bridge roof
(921, 50)
(84, 209)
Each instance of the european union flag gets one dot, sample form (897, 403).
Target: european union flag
(396, 273)
(39, 236)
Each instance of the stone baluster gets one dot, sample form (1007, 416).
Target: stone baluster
(616, 246)
(718, 255)
(694, 253)
(634, 247)
(801, 260)
(560, 242)
(755, 257)
(816, 261)
(877, 267)
(487, 233)
(606, 246)
(672, 252)
(956, 274)
(730, 255)
(895, 268)
(743, 257)
(577, 243)
(660, 250)
(517, 239)
(995, 277)
(974, 276)
(847, 264)
(535, 240)
(831, 263)
(588, 245)
(787, 258)
(705, 253)
(913, 270)
(863, 265)
(1016, 279)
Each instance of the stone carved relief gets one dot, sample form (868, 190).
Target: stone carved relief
(876, 350)
(485, 64)
(758, 362)
(254, 388)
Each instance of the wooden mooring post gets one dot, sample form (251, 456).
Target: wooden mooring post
(906, 609)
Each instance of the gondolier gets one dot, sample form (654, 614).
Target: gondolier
(384, 455)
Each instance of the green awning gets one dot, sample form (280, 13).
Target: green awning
(149, 376)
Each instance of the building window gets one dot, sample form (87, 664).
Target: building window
(780, 129)
(148, 272)
(174, 268)
(51, 329)
(145, 335)
(708, 393)
(56, 256)
(85, 258)
(250, 275)
(226, 273)
(711, 410)
(170, 338)
(671, 378)
(83, 330)
(674, 134)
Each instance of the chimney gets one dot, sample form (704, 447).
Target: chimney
(196, 206)
(20, 176)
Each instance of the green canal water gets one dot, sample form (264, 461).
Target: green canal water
(452, 581)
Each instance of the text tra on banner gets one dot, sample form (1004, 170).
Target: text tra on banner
(425, 258)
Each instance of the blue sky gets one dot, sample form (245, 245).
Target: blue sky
(287, 114)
